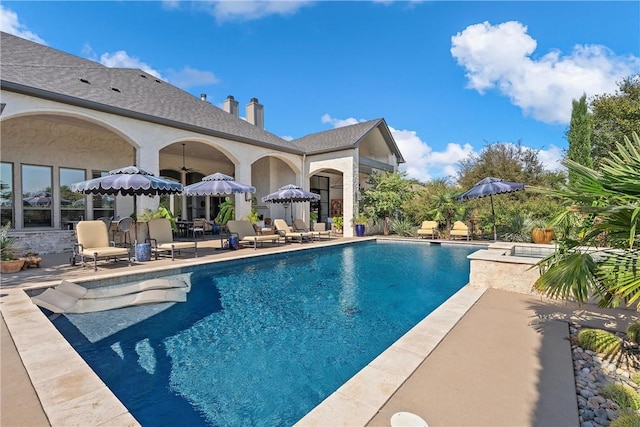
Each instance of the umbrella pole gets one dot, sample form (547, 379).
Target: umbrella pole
(493, 214)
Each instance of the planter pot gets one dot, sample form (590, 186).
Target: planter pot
(542, 235)
(11, 266)
(359, 230)
(143, 252)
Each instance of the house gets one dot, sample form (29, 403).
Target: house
(64, 119)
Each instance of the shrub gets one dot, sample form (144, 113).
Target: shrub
(635, 377)
(600, 341)
(628, 419)
(403, 227)
(625, 397)
(633, 332)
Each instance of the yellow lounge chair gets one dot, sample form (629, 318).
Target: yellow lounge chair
(301, 226)
(247, 234)
(93, 242)
(285, 231)
(161, 238)
(460, 229)
(428, 229)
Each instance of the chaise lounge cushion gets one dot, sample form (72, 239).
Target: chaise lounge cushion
(161, 238)
(93, 242)
(247, 234)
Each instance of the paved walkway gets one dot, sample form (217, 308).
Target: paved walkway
(506, 362)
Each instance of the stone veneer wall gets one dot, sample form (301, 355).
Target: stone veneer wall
(44, 242)
(496, 268)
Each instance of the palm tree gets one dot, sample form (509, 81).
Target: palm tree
(444, 207)
(601, 258)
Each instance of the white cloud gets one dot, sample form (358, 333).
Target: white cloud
(338, 123)
(121, 59)
(551, 157)
(9, 23)
(422, 163)
(190, 77)
(246, 10)
(499, 57)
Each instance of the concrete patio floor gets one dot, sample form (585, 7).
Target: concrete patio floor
(486, 357)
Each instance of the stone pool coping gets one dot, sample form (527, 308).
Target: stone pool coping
(357, 401)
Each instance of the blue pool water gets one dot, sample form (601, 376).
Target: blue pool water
(261, 342)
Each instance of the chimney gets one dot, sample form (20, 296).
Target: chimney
(203, 96)
(230, 105)
(255, 113)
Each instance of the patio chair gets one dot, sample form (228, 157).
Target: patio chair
(300, 225)
(285, 231)
(200, 226)
(247, 234)
(161, 239)
(93, 242)
(428, 229)
(123, 227)
(460, 229)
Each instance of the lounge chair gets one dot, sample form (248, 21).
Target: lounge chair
(285, 231)
(247, 234)
(460, 229)
(93, 242)
(300, 225)
(161, 239)
(428, 229)
(69, 297)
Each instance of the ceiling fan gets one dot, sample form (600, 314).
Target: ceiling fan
(184, 168)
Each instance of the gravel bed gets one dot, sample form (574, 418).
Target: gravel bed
(592, 372)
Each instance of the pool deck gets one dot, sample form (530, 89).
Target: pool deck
(485, 357)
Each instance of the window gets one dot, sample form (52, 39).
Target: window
(6, 194)
(72, 205)
(37, 200)
(103, 205)
(320, 185)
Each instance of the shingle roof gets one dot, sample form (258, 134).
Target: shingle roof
(46, 72)
(41, 71)
(346, 137)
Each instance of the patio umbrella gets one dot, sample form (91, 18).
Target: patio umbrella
(290, 194)
(489, 187)
(128, 181)
(43, 199)
(217, 184)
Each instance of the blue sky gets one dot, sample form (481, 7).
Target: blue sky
(447, 76)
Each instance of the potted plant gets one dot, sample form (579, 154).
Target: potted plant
(359, 223)
(541, 233)
(9, 261)
(313, 217)
(338, 223)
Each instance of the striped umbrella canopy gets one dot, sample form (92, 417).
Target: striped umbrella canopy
(217, 184)
(490, 187)
(128, 181)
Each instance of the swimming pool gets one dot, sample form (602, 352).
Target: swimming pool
(263, 341)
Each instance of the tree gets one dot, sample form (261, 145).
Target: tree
(444, 207)
(602, 260)
(614, 116)
(579, 135)
(418, 208)
(388, 192)
(511, 162)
